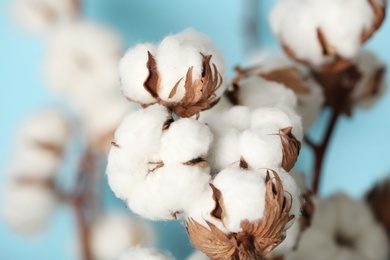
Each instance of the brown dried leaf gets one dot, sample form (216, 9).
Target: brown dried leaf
(327, 49)
(290, 77)
(307, 211)
(152, 81)
(174, 89)
(291, 147)
(200, 161)
(217, 212)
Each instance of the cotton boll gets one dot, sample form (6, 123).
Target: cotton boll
(260, 150)
(176, 54)
(20, 199)
(197, 255)
(38, 16)
(142, 253)
(168, 191)
(374, 244)
(126, 230)
(133, 72)
(324, 218)
(48, 126)
(243, 194)
(185, 139)
(314, 243)
(256, 92)
(279, 118)
(294, 20)
(238, 117)
(77, 68)
(140, 131)
(223, 105)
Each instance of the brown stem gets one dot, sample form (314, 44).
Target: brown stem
(83, 228)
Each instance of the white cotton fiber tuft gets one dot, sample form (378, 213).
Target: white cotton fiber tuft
(197, 255)
(143, 253)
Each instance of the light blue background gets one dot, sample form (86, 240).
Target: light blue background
(358, 155)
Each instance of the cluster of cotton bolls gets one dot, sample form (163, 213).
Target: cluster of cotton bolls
(81, 65)
(342, 228)
(315, 24)
(29, 196)
(163, 165)
(40, 16)
(127, 231)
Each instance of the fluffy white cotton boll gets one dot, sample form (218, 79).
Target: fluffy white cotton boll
(125, 171)
(353, 216)
(133, 73)
(185, 139)
(314, 243)
(223, 105)
(294, 20)
(140, 131)
(169, 190)
(143, 253)
(126, 230)
(257, 92)
(224, 150)
(324, 218)
(32, 161)
(243, 194)
(261, 150)
(369, 65)
(39, 16)
(82, 58)
(238, 117)
(176, 54)
(27, 208)
(279, 118)
(49, 126)
(197, 255)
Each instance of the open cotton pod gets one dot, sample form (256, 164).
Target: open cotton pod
(325, 34)
(342, 228)
(81, 62)
(113, 233)
(184, 72)
(157, 164)
(141, 253)
(27, 205)
(40, 16)
(257, 86)
(250, 213)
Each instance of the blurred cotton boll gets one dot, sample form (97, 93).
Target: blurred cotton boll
(197, 255)
(41, 16)
(114, 232)
(143, 253)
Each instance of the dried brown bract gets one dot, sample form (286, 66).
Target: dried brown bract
(256, 239)
(291, 147)
(199, 93)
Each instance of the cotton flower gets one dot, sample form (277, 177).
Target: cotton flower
(141, 253)
(343, 228)
(158, 164)
(81, 62)
(184, 72)
(42, 15)
(28, 204)
(322, 32)
(126, 230)
(250, 215)
(254, 87)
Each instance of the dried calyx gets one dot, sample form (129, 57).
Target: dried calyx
(199, 93)
(256, 239)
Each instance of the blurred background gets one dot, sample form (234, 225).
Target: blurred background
(357, 158)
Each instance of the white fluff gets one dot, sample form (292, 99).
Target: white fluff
(169, 190)
(368, 64)
(289, 243)
(223, 105)
(243, 194)
(295, 23)
(39, 16)
(257, 92)
(177, 53)
(197, 255)
(143, 253)
(133, 73)
(185, 140)
(81, 61)
(113, 233)
(27, 208)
